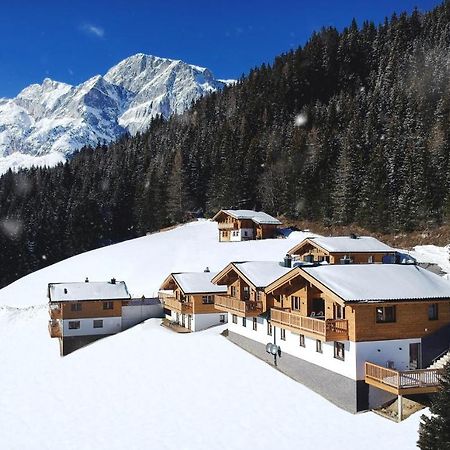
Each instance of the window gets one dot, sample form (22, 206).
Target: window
(385, 314)
(295, 303)
(74, 324)
(370, 259)
(302, 340)
(222, 318)
(245, 233)
(108, 305)
(319, 346)
(246, 293)
(98, 323)
(339, 349)
(233, 291)
(234, 318)
(308, 258)
(244, 322)
(207, 299)
(255, 323)
(283, 334)
(433, 311)
(269, 329)
(75, 307)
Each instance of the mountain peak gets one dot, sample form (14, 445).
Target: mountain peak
(57, 118)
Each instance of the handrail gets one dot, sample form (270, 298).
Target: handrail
(440, 355)
(236, 304)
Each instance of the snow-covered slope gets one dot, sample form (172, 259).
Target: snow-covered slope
(151, 388)
(55, 118)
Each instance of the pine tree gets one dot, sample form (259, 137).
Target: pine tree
(434, 431)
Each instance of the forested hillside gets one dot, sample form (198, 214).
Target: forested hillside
(351, 128)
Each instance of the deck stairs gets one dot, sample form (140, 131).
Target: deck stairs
(441, 361)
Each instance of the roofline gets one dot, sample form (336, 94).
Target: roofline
(230, 266)
(91, 300)
(311, 241)
(182, 290)
(227, 211)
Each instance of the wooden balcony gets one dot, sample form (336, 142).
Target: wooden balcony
(173, 304)
(238, 307)
(327, 329)
(422, 381)
(55, 312)
(227, 225)
(54, 328)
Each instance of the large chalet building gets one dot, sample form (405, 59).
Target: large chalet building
(189, 298)
(358, 334)
(243, 225)
(82, 312)
(351, 249)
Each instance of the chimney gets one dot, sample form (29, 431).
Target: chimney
(288, 261)
(65, 291)
(86, 280)
(207, 269)
(113, 281)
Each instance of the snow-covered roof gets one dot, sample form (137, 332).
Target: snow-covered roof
(261, 273)
(198, 282)
(347, 244)
(380, 282)
(92, 290)
(258, 217)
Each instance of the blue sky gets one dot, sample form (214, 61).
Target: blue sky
(71, 41)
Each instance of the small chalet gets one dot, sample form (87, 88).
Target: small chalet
(89, 310)
(343, 250)
(244, 225)
(188, 299)
(361, 333)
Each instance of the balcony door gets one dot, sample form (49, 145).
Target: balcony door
(338, 311)
(415, 356)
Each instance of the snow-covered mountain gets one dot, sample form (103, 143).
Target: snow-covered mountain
(46, 122)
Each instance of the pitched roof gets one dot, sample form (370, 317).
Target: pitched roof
(258, 217)
(346, 244)
(380, 282)
(198, 282)
(261, 273)
(92, 290)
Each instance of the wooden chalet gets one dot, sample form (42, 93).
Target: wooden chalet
(244, 225)
(343, 250)
(85, 311)
(189, 298)
(361, 325)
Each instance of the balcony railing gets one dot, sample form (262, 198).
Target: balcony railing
(227, 226)
(329, 329)
(234, 305)
(177, 305)
(54, 328)
(420, 381)
(55, 312)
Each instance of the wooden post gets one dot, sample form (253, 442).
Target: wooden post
(400, 408)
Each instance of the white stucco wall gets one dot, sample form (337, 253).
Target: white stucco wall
(132, 315)
(111, 325)
(291, 346)
(380, 352)
(202, 321)
(241, 234)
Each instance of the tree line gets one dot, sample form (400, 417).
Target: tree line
(352, 127)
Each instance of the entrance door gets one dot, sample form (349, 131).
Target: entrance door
(182, 320)
(189, 321)
(414, 356)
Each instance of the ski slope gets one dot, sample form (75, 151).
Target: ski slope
(150, 388)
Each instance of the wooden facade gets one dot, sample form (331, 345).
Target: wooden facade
(178, 301)
(241, 229)
(301, 295)
(311, 251)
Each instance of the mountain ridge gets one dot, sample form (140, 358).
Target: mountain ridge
(53, 119)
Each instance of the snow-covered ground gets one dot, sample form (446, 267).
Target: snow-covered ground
(151, 388)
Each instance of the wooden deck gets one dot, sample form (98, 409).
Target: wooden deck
(422, 381)
(327, 329)
(54, 328)
(176, 305)
(227, 226)
(55, 312)
(238, 307)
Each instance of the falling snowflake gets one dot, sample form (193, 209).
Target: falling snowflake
(300, 120)
(11, 228)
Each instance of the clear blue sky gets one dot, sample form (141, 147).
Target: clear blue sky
(71, 41)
